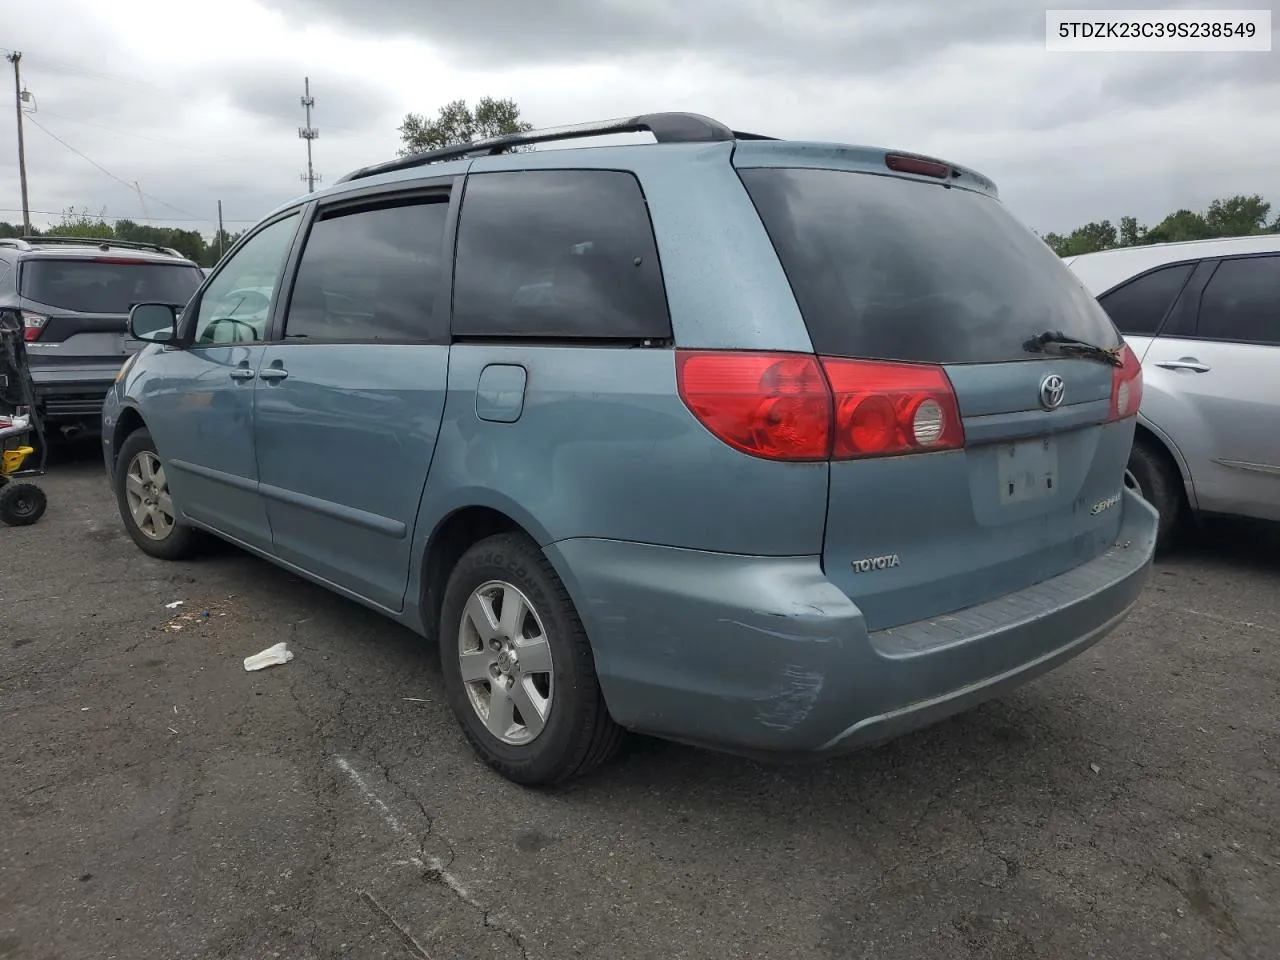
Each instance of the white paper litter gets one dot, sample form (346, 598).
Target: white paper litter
(175, 605)
(270, 657)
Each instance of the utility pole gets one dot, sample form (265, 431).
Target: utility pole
(309, 133)
(15, 58)
(221, 232)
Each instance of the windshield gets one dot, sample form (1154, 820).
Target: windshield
(888, 268)
(99, 286)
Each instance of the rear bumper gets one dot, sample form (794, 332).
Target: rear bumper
(67, 393)
(764, 656)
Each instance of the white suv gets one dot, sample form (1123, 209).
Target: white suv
(1204, 318)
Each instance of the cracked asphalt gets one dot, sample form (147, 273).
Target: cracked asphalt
(158, 801)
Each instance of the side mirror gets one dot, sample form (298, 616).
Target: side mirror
(153, 322)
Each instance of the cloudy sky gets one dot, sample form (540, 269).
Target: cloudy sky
(198, 101)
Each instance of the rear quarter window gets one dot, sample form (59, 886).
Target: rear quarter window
(888, 268)
(557, 254)
(106, 286)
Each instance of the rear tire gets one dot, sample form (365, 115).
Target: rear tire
(537, 656)
(1154, 477)
(21, 504)
(142, 495)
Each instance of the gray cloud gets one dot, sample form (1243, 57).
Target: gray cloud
(275, 92)
(802, 36)
(1167, 80)
(1068, 137)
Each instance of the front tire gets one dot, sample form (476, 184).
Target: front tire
(1153, 477)
(142, 495)
(518, 669)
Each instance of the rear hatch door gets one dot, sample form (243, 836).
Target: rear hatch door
(897, 268)
(82, 306)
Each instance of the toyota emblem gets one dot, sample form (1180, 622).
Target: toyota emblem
(1052, 389)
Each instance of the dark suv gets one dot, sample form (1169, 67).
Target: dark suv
(72, 297)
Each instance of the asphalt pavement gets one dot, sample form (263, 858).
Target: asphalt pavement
(157, 801)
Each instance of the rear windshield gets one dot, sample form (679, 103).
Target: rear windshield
(97, 286)
(888, 268)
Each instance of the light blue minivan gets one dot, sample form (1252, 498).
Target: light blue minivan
(774, 447)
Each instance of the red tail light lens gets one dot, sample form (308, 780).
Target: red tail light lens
(1126, 385)
(787, 406)
(885, 409)
(32, 326)
(771, 405)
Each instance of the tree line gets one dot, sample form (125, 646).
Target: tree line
(190, 243)
(1237, 216)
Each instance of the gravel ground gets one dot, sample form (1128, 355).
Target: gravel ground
(159, 802)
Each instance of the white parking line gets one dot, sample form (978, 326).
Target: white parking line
(432, 864)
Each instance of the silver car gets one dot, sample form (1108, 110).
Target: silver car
(1204, 318)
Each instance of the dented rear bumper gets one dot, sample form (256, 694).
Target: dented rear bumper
(765, 656)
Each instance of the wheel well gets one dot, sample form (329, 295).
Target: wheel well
(455, 535)
(129, 421)
(1152, 442)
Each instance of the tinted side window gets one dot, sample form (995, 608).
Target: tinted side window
(372, 274)
(1138, 307)
(1242, 301)
(557, 253)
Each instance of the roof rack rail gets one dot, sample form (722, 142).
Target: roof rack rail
(665, 127)
(106, 244)
(16, 242)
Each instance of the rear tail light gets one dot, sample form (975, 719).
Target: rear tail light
(771, 405)
(1126, 386)
(787, 406)
(885, 409)
(32, 326)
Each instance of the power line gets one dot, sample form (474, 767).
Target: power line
(141, 136)
(104, 170)
(64, 67)
(58, 213)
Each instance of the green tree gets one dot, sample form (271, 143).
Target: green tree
(1132, 233)
(222, 242)
(1238, 216)
(190, 243)
(1181, 225)
(82, 224)
(1235, 216)
(1087, 239)
(458, 123)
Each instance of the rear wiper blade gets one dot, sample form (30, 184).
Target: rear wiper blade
(1055, 341)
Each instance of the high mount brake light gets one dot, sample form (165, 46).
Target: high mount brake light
(1126, 386)
(790, 406)
(926, 168)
